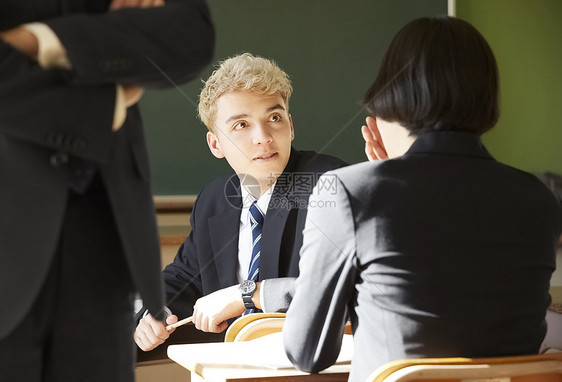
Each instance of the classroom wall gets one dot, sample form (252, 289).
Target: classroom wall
(525, 36)
(330, 49)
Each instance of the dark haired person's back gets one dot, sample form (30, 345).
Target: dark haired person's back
(440, 250)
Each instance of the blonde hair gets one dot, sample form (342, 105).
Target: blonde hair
(244, 72)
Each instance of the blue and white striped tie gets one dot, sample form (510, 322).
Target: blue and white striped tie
(256, 224)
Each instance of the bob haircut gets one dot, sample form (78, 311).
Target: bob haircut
(438, 74)
(244, 72)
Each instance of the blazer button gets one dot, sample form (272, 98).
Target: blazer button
(59, 159)
(78, 145)
(55, 139)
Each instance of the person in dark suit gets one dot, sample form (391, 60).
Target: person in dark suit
(77, 221)
(436, 249)
(245, 105)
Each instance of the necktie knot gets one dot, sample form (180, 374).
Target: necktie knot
(256, 216)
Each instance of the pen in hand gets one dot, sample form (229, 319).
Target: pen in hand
(180, 323)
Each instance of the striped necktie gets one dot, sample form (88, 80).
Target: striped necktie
(256, 224)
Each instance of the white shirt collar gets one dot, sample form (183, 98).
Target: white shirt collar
(248, 199)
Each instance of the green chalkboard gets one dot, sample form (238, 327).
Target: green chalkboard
(330, 49)
(525, 37)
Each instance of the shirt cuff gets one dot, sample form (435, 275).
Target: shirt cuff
(262, 288)
(51, 53)
(120, 109)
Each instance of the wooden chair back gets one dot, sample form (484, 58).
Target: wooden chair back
(535, 368)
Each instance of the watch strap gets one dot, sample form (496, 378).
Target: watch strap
(248, 303)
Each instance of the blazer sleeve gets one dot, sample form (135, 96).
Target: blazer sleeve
(154, 47)
(182, 278)
(54, 108)
(315, 322)
(278, 294)
(38, 107)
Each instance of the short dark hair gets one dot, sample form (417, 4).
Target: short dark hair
(437, 74)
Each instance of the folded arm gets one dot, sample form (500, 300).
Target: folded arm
(138, 46)
(37, 106)
(74, 109)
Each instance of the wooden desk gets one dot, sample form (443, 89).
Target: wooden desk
(192, 357)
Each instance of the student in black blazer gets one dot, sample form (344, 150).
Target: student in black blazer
(436, 249)
(78, 232)
(245, 105)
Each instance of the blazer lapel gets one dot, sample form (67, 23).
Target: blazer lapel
(224, 228)
(273, 228)
(275, 220)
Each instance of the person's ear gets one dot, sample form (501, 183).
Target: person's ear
(292, 129)
(214, 145)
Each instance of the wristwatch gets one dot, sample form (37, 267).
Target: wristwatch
(247, 288)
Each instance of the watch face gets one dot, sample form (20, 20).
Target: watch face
(247, 286)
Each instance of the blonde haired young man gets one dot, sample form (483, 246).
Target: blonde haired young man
(245, 106)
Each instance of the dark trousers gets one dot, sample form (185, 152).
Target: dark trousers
(80, 327)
